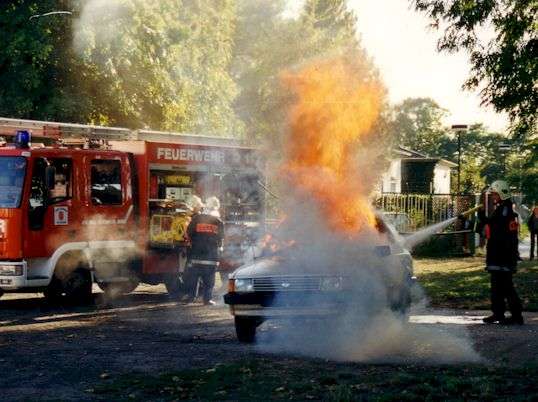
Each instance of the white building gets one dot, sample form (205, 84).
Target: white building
(413, 172)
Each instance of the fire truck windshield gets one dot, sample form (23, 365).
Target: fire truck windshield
(12, 171)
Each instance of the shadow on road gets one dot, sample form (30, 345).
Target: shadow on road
(36, 310)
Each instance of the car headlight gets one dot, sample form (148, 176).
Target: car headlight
(243, 285)
(332, 283)
(10, 270)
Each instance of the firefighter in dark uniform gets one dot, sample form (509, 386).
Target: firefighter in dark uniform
(502, 256)
(206, 233)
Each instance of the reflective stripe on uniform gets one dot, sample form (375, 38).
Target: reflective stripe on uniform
(205, 262)
(498, 268)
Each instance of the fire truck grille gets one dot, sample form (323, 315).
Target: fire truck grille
(287, 284)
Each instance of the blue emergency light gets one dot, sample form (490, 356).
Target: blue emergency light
(22, 139)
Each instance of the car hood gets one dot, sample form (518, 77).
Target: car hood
(262, 267)
(281, 266)
(275, 266)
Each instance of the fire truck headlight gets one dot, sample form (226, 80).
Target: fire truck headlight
(11, 270)
(244, 285)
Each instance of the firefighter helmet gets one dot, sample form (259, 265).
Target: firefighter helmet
(500, 187)
(195, 202)
(212, 206)
(212, 203)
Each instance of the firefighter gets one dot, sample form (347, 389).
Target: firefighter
(502, 255)
(206, 233)
(532, 224)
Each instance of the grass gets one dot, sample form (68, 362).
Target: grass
(279, 379)
(463, 283)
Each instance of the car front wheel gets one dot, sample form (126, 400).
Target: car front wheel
(245, 328)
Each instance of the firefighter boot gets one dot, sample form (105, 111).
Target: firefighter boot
(492, 319)
(513, 320)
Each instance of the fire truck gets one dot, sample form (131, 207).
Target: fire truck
(86, 204)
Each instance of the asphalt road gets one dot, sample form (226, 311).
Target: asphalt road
(62, 353)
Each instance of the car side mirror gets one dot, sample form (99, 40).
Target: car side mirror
(50, 177)
(382, 251)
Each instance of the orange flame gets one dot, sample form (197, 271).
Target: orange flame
(335, 110)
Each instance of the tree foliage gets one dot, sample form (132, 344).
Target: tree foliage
(529, 172)
(135, 63)
(164, 64)
(504, 62)
(38, 68)
(481, 160)
(417, 124)
(268, 43)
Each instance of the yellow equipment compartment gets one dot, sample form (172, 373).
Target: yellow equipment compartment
(168, 226)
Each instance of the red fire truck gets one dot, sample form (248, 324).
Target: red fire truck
(84, 204)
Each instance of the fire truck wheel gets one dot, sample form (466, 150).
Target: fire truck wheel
(174, 285)
(245, 328)
(117, 289)
(74, 288)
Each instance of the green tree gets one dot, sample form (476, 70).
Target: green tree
(482, 160)
(162, 65)
(334, 23)
(417, 124)
(38, 69)
(522, 169)
(504, 64)
(267, 44)
(165, 64)
(529, 172)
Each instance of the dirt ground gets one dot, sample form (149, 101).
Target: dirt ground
(62, 353)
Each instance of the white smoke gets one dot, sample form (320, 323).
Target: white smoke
(99, 23)
(367, 328)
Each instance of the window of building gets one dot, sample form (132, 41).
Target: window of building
(106, 186)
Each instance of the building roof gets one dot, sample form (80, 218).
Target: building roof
(400, 150)
(415, 156)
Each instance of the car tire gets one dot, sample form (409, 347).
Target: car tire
(245, 328)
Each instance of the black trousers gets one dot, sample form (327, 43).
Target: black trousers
(534, 238)
(502, 288)
(203, 273)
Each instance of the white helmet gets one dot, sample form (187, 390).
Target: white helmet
(501, 187)
(212, 203)
(195, 202)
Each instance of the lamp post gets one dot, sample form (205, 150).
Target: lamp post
(459, 128)
(504, 148)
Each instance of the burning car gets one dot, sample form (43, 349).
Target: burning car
(278, 285)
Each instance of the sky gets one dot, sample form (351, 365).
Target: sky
(404, 49)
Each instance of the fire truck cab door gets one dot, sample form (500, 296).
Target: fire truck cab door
(53, 211)
(110, 195)
(109, 221)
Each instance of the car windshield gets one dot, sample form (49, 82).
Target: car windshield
(273, 246)
(12, 170)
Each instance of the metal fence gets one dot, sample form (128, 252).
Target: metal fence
(410, 212)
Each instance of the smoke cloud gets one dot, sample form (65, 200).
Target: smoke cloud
(332, 161)
(99, 22)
